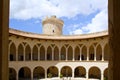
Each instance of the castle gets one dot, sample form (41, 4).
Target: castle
(52, 55)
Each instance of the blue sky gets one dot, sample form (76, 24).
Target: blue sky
(79, 16)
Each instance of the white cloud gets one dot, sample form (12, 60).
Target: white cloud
(27, 9)
(97, 24)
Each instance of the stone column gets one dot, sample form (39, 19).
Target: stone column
(94, 53)
(80, 54)
(73, 73)
(59, 54)
(45, 54)
(52, 53)
(38, 54)
(16, 53)
(31, 54)
(66, 54)
(45, 73)
(87, 53)
(16, 75)
(87, 75)
(4, 23)
(114, 39)
(102, 76)
(24, 54)
(31, 75)
(102, 53)
(73, 54)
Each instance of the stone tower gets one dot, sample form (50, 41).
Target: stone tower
(52, 26)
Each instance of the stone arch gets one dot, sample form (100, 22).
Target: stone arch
(27, 53)
(49, 53)
(12, 74)
(106, 52)
(52, 71)
(63, 53)
(12, 54)
(56, 53)
(70, 53)
(20, 52)
(66, 71)
(106, 74)
(77, 53)
(38, 72)
(80, 71)
(91, 52)
(24, 73)
(35, 53)
(94, 72)
(98, 52)
(42, 53)
(84, 53)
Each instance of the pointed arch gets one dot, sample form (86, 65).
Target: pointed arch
(49, 53)
(20, 52)
(99, 52)
(12, 55)
(70, 53)
(84, 53)
(27, 53)
(42, 53)
(91, 52)
(77, 53)
(63, 53)
(35, 53)
(106, 52)
(56, 53)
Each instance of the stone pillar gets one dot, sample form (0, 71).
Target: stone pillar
(24, 54)
(31, 75)
(45, 74)
(73, 54)
(4, 23)
(87, 75)
(73, 73)
(102, 76)
(114, 39)
(66, 54)
(59, 54)
(45, 54)
(87, 53)
(17, 54)
(31, 54)
(52, 53)
(38, 54)
(17, 75)
(94, 53)
(102, 53)
(80, 54)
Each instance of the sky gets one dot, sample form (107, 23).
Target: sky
(79, 16)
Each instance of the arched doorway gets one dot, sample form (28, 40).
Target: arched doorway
(12, 74)
(24, 73)
(66, 71)
(38, 72)
(80, 71)
(52, 72)
(106, 74)
(94, 72)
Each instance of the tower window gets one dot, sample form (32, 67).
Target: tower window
(53, 31)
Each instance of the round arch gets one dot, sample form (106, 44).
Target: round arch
(52, 71)
(106, 74)
(12, 74)
(66, 71)
(80, 71)
(12, 54)
(24, 73)
(94, 72)
(38, 72)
